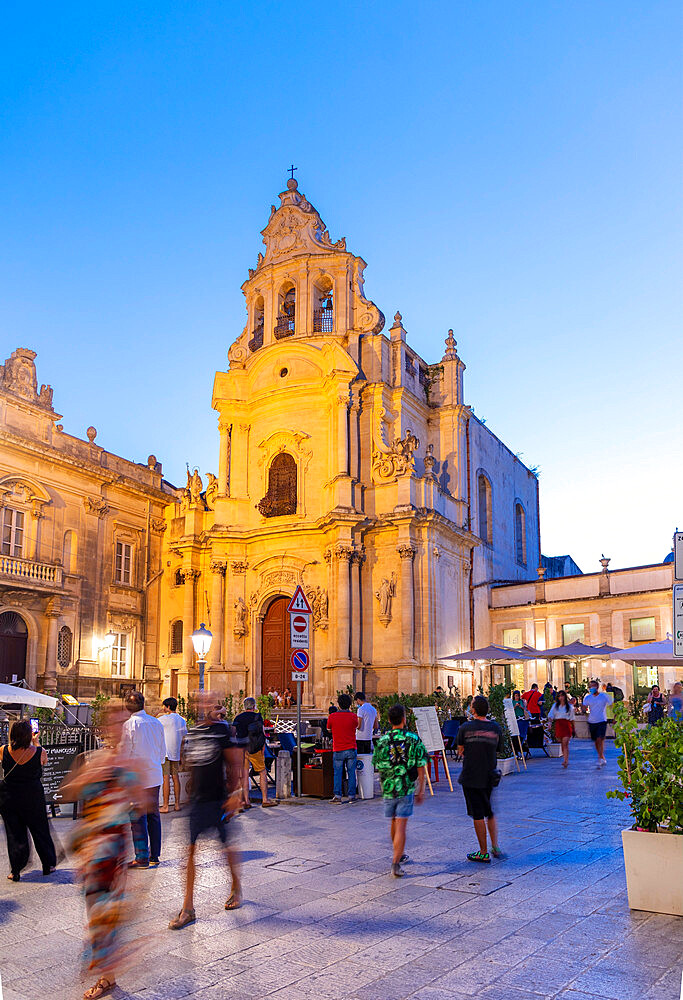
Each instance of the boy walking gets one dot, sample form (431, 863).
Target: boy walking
(400, 758)
(479, 742)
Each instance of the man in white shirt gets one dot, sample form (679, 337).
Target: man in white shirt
(175, 731)
(597, 702)
(143, 739)
(368, 723)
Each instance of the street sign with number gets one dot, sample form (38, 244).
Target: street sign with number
(678, 620)
(299, 675)
(299, 630)
(678, 555)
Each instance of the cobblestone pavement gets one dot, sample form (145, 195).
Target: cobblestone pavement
(324, 919)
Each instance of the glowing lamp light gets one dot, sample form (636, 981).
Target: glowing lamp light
(201, 640)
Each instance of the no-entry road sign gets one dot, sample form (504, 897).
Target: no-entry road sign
(299, 630)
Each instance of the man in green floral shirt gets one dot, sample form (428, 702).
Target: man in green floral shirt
(400, 758)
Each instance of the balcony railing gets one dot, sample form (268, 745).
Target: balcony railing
(28, 571)
(284, 327)
(323, 320)
(257, 338)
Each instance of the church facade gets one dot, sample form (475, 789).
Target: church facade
(351, 466)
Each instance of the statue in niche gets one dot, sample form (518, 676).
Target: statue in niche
(241, 618)
(194, 486)
(385, 595)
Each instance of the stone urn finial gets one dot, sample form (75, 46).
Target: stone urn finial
(92, 434)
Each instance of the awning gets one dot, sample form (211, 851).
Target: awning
(576, 651)
(11, 694)
(491, 654)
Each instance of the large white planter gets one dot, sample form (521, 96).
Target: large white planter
(654, 871)
(507, 765)
(581, 730)
(554, 749)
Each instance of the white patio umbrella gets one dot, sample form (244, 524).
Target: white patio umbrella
(651, 654)
(11, 694)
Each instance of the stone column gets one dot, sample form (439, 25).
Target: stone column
(343, 554)
(407, 554)
(36, 515)
(356, 609)
(224, 459)
(189, 576)
(218, 567)
(52, 614)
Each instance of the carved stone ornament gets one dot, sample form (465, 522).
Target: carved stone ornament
(18, 376)
(429, 461)
(319, 601)
(189, 575)
(211, 490)
(451, 348)
(219, 566)
(158, 524)
(21, 492)
(96, 505)
(239, 567)
(344, 552)
(122, 622)
(395, 459)
(385, 595)
(294, 228)
(406, 551)
(241, 623)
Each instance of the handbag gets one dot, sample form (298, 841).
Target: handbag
(4, 790)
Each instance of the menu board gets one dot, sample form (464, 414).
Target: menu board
(510, 716)
(60, 758)
(428, 728)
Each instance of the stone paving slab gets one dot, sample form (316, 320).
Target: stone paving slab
(323, 918)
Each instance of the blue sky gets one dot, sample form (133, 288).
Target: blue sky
(508, 170)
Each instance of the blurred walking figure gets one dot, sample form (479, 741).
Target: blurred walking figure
(562, 714)
(251, 737)
(143, 739)
(106, 784)
(22, 801)
(215, 762)
(175, 731)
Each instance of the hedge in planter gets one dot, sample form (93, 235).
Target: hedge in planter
(650, 770)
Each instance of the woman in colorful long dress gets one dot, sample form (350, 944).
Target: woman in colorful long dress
(107, 784)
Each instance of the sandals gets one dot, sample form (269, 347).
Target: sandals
(101, 987)
(13, 878)
(234, 901)
(184, 918)
(479, 856)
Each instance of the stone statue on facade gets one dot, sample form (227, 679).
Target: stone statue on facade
(240, 626)
(193, 490)
(385, 595)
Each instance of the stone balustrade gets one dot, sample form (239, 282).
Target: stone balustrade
(29, 571)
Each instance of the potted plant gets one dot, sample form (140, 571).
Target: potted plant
(651, 773)
(496, 695)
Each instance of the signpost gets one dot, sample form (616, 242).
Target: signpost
(299, 630)
(513, 726)
(60, 757)
(678, 620)
(678, 555)
(429, 731)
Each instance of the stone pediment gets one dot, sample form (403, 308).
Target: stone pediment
(18, 376)
(294, 228)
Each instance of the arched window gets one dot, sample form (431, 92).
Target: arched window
(257, 330)
(64, 646)
(485, 511)
(286, 317)
(323, 306)
(520, 533)
(281, 496)
(177, 636)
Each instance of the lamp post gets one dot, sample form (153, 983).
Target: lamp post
(201, 640)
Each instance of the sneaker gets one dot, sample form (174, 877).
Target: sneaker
(267, 803)
(497, 853)
(480, 856)
(352, 798)
(335, 800)
(404, 857)
(344, 799)
(602, 762)
(154, 862)
(138, 864)
(397, 871)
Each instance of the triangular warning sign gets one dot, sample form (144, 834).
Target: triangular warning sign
(300, 603)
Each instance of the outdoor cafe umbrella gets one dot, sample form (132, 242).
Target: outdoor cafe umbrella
(11, 694)
(576, 652)
(652, 654)
(491, 654)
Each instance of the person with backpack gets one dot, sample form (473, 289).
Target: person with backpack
(251, 737)
(400, 758)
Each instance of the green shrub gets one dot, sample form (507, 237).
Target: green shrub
(264, 703)
(650, 771)
(448, 706)
(495, 695)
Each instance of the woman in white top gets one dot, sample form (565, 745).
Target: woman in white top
(562, 714)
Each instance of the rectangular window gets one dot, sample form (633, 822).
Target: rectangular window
(512, 638)
(642, 629)
(119, 655)
(572, 633)
(12, 532)
(124, 553)
(644, 677)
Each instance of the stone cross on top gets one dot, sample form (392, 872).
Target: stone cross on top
(291, 171)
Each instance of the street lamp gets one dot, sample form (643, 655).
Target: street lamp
(107, 642)
(201, 640)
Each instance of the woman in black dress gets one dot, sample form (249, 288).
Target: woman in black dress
(24, 808)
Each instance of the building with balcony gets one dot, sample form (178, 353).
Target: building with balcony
(80, 549)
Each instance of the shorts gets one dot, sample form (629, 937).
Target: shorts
(170, 767)
(478, 802)
(399, 808)
(598, 730)
(207, 816)
(257, 760)
(363, 746)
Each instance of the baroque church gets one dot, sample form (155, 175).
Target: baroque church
(346, 463)
(351, 466)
